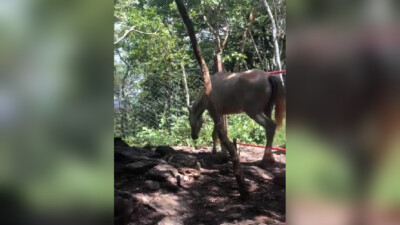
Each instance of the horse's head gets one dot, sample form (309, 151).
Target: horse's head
(196, 122)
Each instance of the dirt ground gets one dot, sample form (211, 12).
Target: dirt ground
(182, 185)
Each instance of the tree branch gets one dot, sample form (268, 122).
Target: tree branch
(122, 58)
(133, 29)
(209, 25)
(228, 29)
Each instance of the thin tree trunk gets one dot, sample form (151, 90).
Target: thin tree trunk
(219, 68)
(218, 65)
(184, 75)
(258, 53)
(185, 85)
(281, 50)
(244, 37)
(123, 103)
(237, 171)
(277, 55)
(123, 98)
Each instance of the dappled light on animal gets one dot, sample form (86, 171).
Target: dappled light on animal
(252, 92)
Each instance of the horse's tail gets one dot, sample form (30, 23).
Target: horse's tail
(279, 98)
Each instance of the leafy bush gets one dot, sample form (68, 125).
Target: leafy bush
(240, 127)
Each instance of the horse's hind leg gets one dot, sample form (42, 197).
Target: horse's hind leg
(270, 127)
(268, 109)
(214, 137)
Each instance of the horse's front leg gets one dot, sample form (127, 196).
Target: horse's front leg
(215, 136)
(224, 151)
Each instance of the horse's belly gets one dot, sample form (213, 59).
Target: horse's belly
(228, 110)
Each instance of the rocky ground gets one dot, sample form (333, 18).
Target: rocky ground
(182, 185)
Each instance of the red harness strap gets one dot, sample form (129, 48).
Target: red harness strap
(276, 72)
(260, 146)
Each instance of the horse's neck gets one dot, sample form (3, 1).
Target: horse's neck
(199, 105)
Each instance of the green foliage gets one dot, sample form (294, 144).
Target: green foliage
(233, 57)
(246, 130)
(240, 127)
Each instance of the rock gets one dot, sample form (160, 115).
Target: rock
(124, 206)
(258, 172)
(162, 172)
(226, 170)
(280, 180)
(235, 216)
(168, 204)
(148, 147)
(141, 166)
(119, 142)
(196, 194)
(237, 208)
(169, 186)
(178, 180)
(122, 209)
(209, 214)
(198, 166)
(122, 155)
(141, 198)
(164, 150)
(119, 205)
(279, 176)
(133, 154)
(122, 194)
(152, 185)
(165, 173)
(169, 220)
(182, 160)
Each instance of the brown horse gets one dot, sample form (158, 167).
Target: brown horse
(252, 92)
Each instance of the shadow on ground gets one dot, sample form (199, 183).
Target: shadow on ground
(181, 185)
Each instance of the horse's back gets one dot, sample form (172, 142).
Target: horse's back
(241, 92)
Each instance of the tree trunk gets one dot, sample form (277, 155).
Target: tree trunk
(277, 55)
(237, 171)
(218, 63)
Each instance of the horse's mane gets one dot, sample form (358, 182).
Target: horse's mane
(198, 102)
